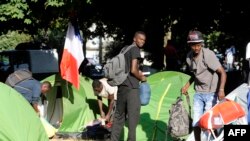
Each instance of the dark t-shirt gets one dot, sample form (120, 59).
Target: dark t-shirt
(131, 81)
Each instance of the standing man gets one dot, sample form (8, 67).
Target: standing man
(208, 75)
(172, 57)
(230, 57)
(248, 59)
(128, 98)
(103, 90)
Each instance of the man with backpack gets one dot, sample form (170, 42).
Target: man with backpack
(30, 88)
(128, 98)
(208, 75)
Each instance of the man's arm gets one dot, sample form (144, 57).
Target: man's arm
(99, 99)
(36, 92)
(35, 106)
(135, 71)
(222, 81)
(111, 104)
(184, 89)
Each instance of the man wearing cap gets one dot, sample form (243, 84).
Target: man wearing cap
(208, 75)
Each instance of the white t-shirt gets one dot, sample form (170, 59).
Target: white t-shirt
(107, 89)
(230, 54)
(43, 108)
(248, 51)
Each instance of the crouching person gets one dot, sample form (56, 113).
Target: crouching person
(103, 90)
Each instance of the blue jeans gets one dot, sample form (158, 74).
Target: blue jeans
(202, 103)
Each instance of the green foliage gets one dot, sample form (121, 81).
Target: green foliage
(27, 21)
(89, 1)
(113, 49)
(54, 3)
(12, 39)
(212, 39)
(15, 9)
(54, 35)
(46, 20)
(218, 40)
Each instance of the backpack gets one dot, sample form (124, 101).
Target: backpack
(18, 76)
(114, 69)
(180, 121)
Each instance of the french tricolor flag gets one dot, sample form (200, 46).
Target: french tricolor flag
(72, 56)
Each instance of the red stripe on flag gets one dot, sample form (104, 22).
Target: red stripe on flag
(69, 69)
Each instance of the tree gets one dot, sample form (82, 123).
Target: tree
(122, 18)
(12, 39)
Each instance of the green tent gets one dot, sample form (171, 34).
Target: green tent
(79, 107)
(73, 108)
(19, 122)
(165, 88)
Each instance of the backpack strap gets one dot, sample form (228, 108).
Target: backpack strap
(126, 49)
(23, 88)
(188, 103)
(204, 59)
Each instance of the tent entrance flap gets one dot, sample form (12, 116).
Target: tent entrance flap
(55, 107)
(68, 106)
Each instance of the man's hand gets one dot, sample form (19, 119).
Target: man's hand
(221, 95)
(144, 78)
(107, 117)
(102, 114)
(184, 90)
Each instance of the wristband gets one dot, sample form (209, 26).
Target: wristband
(221, 89)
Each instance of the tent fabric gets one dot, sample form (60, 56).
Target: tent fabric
(50, 130)
(76, 108)
(165, 88)
(239, 95)
(80, 107)
(19, 122)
